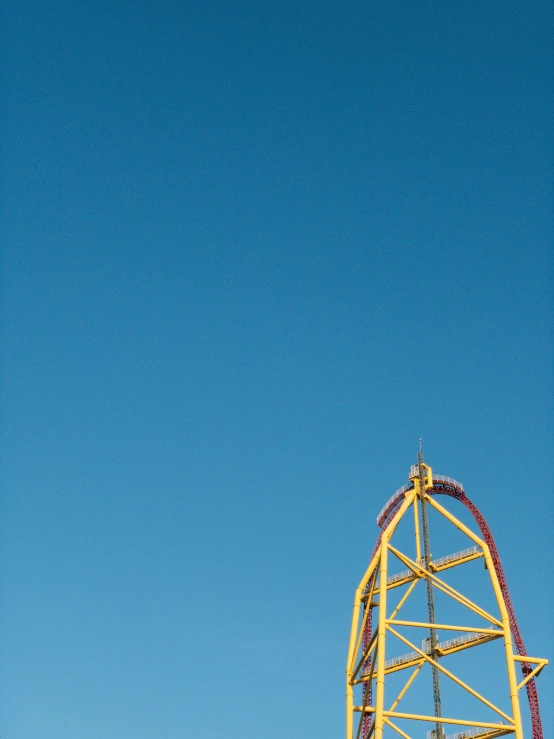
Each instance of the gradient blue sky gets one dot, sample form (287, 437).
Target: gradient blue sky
(252, 252)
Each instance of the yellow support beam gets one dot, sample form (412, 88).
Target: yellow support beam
(369, 665)
(416, 531)
(453, 721)
(477, 640)
(404, 581)
(445, 627)
(367, 651)
(404, 598)
(366, 698)
(531, 660)
(402, 666)
(508, 644)
(541, 663)
(449, 674)
(375, 561)
(364, 620)
(369, 676)
(455, 562)
(440, 720)
(495, 733)
(407, 685)
(397, 729)
(445, 588)
(381, 638)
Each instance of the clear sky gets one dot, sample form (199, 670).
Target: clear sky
(252, 252)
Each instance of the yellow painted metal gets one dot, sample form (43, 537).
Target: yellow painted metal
(371, 728)
(364, 656)
(369, 676)
(364, 620)
(356, 615)
(407, 685)
(380, 683)
(408, 500)
(445, 588)
(351, 656)
(404, 598)
(429, 482)
(398, 730)
(416, 532)
(444, 720)
(477, 639)
(366, 698)
(360, 726)
(455, 563)
(508, 644)
(449, 674)
(444, 627)
(428, 477)
(495, 733)
(541, 663)
(404, 581)
(440, 568)
(453, 520)
(378, 670)
(402, 666)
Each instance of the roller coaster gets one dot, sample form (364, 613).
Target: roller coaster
(369, 663)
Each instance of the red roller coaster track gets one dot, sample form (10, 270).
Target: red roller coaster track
(441, 487)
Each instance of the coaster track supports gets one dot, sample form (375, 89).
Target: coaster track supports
(367, 666)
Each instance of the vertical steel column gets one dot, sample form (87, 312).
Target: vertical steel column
(349, 663)
(508, 645)
(381, 638)
(417, 535)
(439, 733)
(506, 626)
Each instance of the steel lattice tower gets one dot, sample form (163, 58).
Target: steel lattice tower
(370, 712)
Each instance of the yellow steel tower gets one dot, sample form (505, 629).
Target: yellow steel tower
(372, 710)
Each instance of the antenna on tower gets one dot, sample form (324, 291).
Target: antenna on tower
(370, 654)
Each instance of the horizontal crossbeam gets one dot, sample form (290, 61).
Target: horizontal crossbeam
(437, 719)
(451, 676)
(445, 627)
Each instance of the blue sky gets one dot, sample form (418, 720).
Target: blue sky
(252, 253)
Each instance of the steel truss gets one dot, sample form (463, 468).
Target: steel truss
(367, 663)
